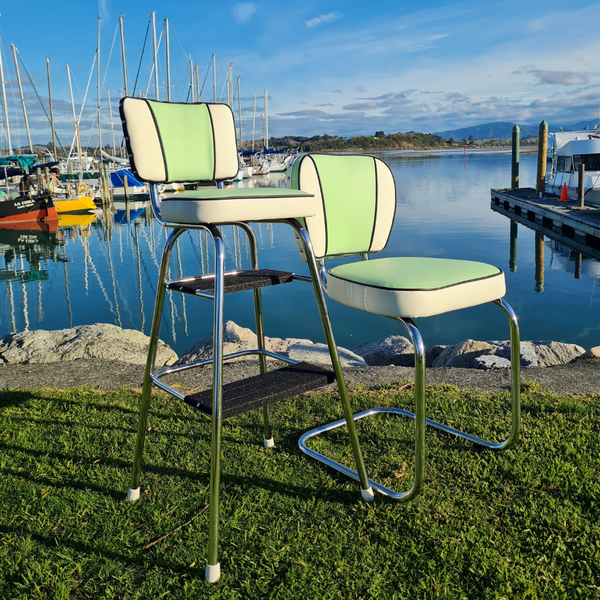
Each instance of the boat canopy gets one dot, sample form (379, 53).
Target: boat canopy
(26, 161)
(117, 178)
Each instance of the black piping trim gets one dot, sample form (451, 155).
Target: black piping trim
(126, 137)
(380, 287)
(376, 203)
(214, 143)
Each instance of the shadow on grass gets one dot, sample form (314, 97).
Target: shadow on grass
(14, 398)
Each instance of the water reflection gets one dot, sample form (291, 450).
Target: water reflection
(105, 269)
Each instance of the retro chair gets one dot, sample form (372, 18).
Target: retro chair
(354, 216)
(170, 142)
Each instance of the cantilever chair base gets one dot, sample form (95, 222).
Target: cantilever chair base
(418, 415)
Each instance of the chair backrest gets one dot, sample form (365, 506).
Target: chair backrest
(357, 205)
(170, 142)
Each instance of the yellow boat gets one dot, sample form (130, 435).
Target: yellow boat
(74, 205)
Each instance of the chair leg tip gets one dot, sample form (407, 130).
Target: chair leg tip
(212, 573)
(367, 495)
(133, 494)
(269, 443)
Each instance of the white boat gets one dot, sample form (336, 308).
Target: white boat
(570, 149)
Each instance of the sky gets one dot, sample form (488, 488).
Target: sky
(341, 68)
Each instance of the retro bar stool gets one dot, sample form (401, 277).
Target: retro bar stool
(170, 142)
(356, 205)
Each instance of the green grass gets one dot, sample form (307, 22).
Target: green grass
(523, 523)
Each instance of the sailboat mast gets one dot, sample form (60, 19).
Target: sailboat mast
(253, 121)
(112, 126)
(5, 106)
(123, 55)
(168, 60)
(230, 87)
(98, 94)
(155, 56)
(239, 110)
(215, 76)
(191, 80)
(75, 118)
(266, 121)
(51, 112)
(197, 84)
(14, 51)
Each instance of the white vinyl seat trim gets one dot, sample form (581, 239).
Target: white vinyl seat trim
(229, 205)
(419, 299)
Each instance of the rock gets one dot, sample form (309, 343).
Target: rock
(556, 353)
(102, 341)
(236, 339)
(462, 354)
(432, 353)
(491, 361)
(319, 354)
(528, 354)
(593, 352)
(392, 350)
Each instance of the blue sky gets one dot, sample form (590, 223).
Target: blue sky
(341, 68)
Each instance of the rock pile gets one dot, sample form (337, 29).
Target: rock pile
(103, 341)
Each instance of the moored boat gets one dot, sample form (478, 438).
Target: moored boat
(28, 207)
(569, 150)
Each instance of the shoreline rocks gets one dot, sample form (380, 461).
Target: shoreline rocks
(109, 342)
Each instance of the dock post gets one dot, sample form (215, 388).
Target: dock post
(580, 185)
(540, 187)
(47, 177)
(514, 178)
(126, 188)
(513, 246)
(539, 262)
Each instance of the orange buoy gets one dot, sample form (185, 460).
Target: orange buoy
(564, 197)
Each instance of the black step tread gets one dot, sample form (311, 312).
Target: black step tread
(260, 390)
(234, 282)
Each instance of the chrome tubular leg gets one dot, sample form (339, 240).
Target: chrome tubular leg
(134, 490)
(366, 489)
(419, 347)
(213, 568)
(260, 334)
(515, 368)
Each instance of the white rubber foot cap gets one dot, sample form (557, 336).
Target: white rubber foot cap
(133, 495)
(367, 495)
(269, 443)
(212, 573)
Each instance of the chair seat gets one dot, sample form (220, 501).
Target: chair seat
(415, 287)
(212, 205)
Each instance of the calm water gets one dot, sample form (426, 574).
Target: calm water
(106, 271)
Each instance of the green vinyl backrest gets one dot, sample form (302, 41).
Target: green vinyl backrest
(357, 195)
(169, 141)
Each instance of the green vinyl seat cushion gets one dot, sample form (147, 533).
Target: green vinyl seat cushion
(415, 287)
(213, 205)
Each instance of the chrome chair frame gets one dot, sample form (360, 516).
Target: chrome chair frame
(212, 570)
(419, 414)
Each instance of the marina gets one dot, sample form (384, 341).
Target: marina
(105, 271)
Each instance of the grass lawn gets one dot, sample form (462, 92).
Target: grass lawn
(523, 523)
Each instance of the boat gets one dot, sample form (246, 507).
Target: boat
(27, 206)
(569, 149)
(73, 205)
(135, 187)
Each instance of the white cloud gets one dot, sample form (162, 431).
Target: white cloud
(328, 18)
(555, 77)
(243, 11)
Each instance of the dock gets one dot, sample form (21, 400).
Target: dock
(565, 222)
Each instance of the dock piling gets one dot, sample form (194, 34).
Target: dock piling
(580, 185)
(514, 179)
(513, 246)
(540, 187)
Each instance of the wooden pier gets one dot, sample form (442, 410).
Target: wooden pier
(566, 222)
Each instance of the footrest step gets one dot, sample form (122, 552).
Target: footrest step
(260, 390)
(234, 282)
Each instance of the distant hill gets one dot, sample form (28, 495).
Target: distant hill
(503, 130)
